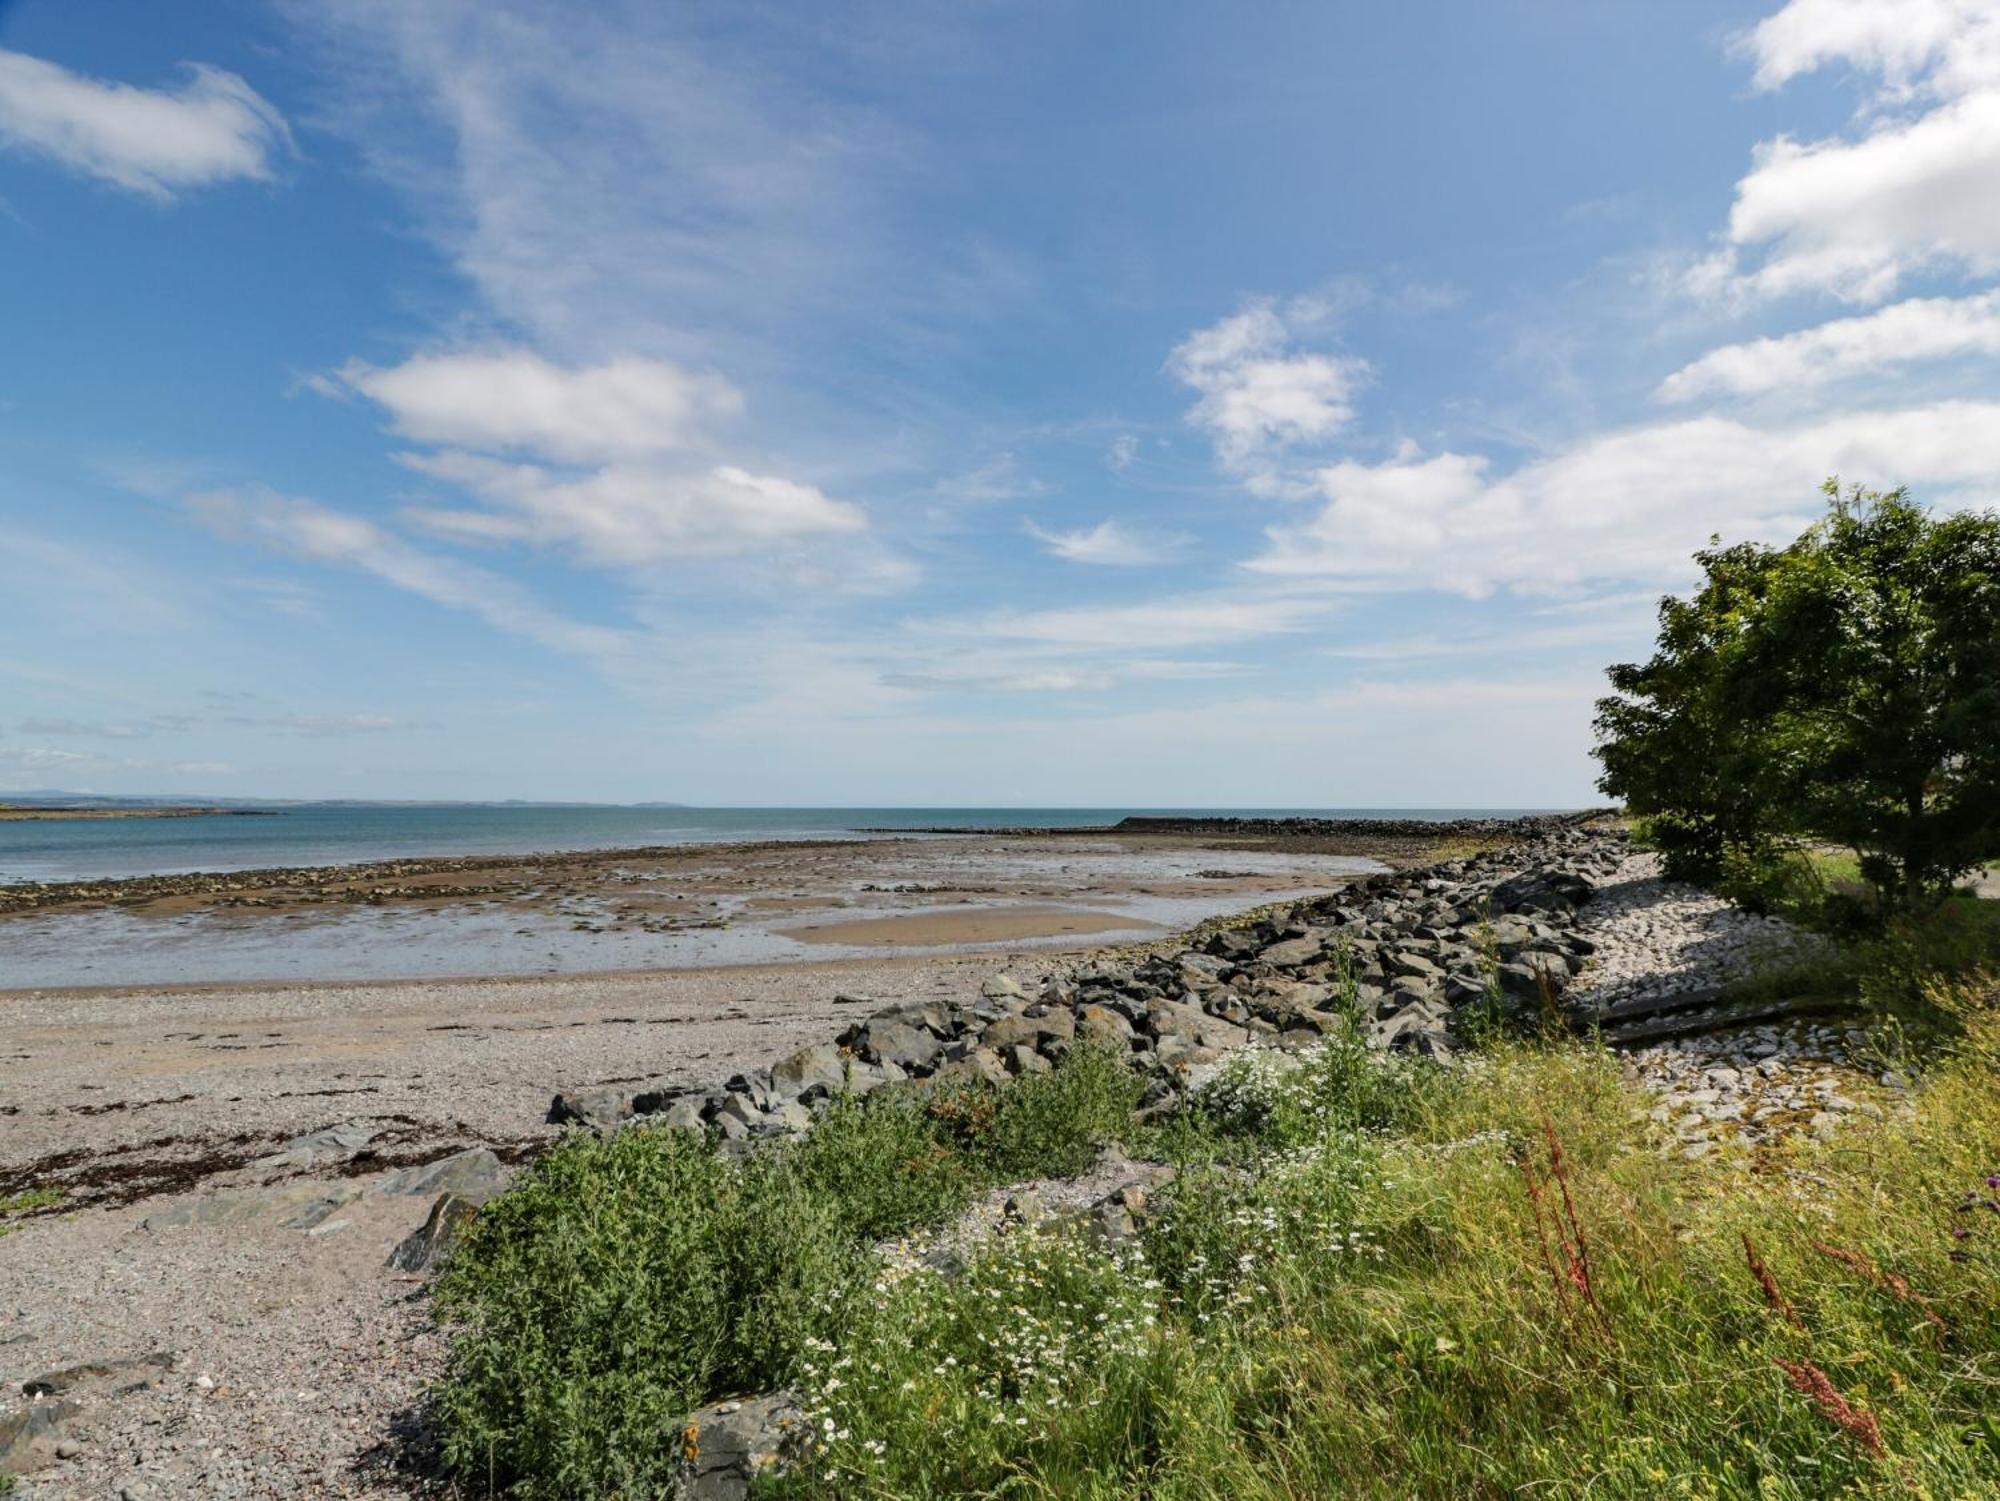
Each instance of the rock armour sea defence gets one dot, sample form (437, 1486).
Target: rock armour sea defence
(1423, 950)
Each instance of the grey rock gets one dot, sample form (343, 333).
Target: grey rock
(729, 1445)
(1294, 951)
(600, 1108)
(1103, 1026)
(475, 1174)
(811, 1073)
(27, 1436)
(98, 1376)
(333, 1144)
(427, 1246)
(910, 1048)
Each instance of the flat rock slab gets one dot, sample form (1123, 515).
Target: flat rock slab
(475, 1175)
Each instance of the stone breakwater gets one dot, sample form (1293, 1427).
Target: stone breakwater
(1423, 951)
(1529, 826)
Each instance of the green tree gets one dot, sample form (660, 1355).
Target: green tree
(1672, 747)
(1846, 687)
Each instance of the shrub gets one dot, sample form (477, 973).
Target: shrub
(627, 1280)
(614, 1289)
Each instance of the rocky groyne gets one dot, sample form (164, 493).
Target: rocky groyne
(1422, 954)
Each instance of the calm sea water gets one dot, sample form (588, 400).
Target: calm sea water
(57, 850)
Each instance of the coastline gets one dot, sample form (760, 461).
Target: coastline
(29, 813)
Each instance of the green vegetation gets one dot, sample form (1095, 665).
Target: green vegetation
(26, 1203)
(1371, 1277)
(1845, 688)
(630, 1279)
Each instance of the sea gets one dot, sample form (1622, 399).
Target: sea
(305, 834)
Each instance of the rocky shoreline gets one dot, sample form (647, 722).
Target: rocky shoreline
(1430, 955)
(1567, 926)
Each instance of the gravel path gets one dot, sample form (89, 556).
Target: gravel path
(1736, 1088)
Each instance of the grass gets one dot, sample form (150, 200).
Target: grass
(1371, 1277)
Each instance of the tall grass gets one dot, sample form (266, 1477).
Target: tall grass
(1378, 1315)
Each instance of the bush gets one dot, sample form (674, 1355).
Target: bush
(627, 1280)
(1041, 1125)
(622, 1282)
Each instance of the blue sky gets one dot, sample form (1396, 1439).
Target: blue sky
(1288, 404)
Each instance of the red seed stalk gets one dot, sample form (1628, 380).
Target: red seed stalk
(1812, 1383)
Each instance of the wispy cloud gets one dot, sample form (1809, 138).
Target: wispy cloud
(301, 528)
(153, 142)
(1111, 543)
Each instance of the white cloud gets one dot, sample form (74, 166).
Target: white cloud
(1258, 391)
(339, 724)
(618, 489)
(1164, 624)
(1925, 328)
(513, 400)
(1911, 192)
(1900, 39)
(634, 515)
(1123, 450)
(154, 142)
(1624, 506)
(1109, 543)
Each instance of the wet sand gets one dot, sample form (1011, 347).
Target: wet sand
(654, 909)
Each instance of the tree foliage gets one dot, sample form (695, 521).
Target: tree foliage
(1843, 688)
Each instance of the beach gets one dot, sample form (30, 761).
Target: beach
(155, 1117)
(693, 906)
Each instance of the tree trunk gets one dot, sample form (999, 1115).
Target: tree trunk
(1913, 873)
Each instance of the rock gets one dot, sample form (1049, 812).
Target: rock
(476, 1175)
(981, 1065)
(116, 1376)
(1294, 951)
(1103, 1026)
(27, 1437)
(1002, 988)
(425, 1247)
(219, 1211)
(320, 1210)
(688, 1113)
(911, 1048)
(334, 1144)
(811, 1073)
(1022, 1059)
(1023, 1029)
(726, 1446)
(600, 1108)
